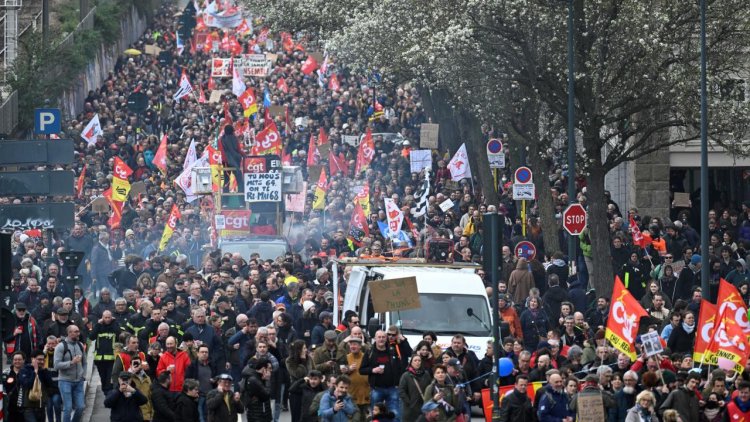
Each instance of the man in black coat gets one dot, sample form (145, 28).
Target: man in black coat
(125, 401)
(161, 399)
(554, 297)
(232, 155)
(186, 404)
(516, 406)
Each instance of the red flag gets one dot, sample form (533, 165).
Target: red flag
(730, 298)
(234, 46)
(268, 141)
(211, 84)
(310, 65)
(624, 317)
(286, 158)
(358, 228)
(248, 101)
(705, 332)
(322, 136)
(116, 216)
(729, 342)
(79, 183)
(121, 170)
(263, 35)
(193, 49)
(225, 43)
(313, 155)
(281, 84)
(160, 158)
(287, 42)
(228, 121)
(337, 164)
(201, 96)
(333, 83)
(638, 239)
(366, 152)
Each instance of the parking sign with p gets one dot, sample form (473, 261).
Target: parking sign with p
(47, 121)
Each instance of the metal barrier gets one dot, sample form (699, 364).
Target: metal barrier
(9, 113)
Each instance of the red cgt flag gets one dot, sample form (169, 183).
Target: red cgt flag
(313, 155)
(281, 84)
(366, 152)
(706, 324)
(729, 342)
(268, 141)
(160, 158)
(310, 65)
(624, 318)
(80, 181)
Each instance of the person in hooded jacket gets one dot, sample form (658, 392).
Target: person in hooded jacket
(555, 296)
(304, 391)
(559, 267)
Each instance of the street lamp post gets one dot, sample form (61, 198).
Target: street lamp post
(571, 126)
(704, 155)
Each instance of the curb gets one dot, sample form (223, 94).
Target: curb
(88, 388)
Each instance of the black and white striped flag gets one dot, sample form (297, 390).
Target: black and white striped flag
(420, 208)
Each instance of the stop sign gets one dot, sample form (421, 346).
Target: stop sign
(574, 219)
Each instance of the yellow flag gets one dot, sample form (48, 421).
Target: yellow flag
(319, 202)
(169, 227)
(120, 189)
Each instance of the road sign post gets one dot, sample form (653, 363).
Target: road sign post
(525, 249)
(574, 219)
(47, 121)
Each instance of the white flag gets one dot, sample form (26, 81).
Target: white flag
(184, 90)
(238, 85)
(185, 182)
(394, 215)
(459, 165)
(191, 156)
(92, 130)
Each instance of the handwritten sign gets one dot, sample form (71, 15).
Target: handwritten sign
(295, 202)
(152, 50)
(100, 205)
(590, 408)
(263, 187)
(428, 135)
(395, 294)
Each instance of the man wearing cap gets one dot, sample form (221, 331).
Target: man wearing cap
(591, 389)
(431, 412)
(223, 405)
(125, 401)
(25, 335)
(326, 324)
(59, 323)
(326, 357)
(359, 388)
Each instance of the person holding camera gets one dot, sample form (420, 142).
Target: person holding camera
(256, 390)
(125, 401)
(223, 404)
(337, 405)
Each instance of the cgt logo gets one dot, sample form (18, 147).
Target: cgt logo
(121, 173)
(236, 220)
(625, 320)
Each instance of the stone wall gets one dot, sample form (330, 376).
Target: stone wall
(133, 25)
(652, 184)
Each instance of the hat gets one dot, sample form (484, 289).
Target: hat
(222, 299)
(307, 305)
(224, 377)
(187, 337)
(280, 307)
(62, 311)
(668, 376)
(429, 406)
(20, 306)
(454, 362)
(168, 299)
(502, 296)
(329, 335)
(353, 339)
(695, 260)
(328, 295)
(325, 314)
(591, 378)
(129, 232)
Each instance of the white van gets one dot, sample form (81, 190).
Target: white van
(446, 295)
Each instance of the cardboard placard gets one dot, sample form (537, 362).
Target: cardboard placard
(352, 140)
(395, 294)
(313, 174)
(137, 188)
(277, 110)
(681, 199)
(428, 136)
(100, 205)
(419, 159)
(263, 187)
(272, 57)
(215, 96)
(318, 56)
(152, 50)
(590, 408)
(324, 149)
(295, 202)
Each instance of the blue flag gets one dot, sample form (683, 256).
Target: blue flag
(266, 98)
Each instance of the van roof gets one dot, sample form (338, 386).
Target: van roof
(437, 280)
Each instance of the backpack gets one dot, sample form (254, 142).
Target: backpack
(66, 349)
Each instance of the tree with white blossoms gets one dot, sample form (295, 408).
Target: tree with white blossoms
(504, 62)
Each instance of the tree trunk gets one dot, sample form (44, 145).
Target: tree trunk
(545, 205)
(603, 276)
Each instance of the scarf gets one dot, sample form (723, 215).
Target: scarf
(688, 328)
(644, 413)
(743, 405)
(416, 372)
(711, 413)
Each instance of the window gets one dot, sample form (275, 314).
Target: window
(446, 315)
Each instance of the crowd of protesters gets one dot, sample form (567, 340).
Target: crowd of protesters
(191, 334)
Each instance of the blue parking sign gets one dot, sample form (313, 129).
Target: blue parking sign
(47, 121)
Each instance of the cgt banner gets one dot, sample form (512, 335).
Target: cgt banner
(624, 318)
(232, 223)
(705, 327)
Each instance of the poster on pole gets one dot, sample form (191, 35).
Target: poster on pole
(420, 159)
(221, 67)
(295, 202)
(263, 187)
(428, 137)
(651, 343)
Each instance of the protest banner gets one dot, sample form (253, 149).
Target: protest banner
(428, 135)
(624, 318)
(221, 67)
(396, 294)
(255, 65)
(263, 187)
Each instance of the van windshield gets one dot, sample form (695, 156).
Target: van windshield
(266, 250)
(446, 315)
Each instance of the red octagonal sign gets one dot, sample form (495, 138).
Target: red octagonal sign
(574, 219)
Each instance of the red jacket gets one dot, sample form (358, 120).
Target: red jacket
(180, 361)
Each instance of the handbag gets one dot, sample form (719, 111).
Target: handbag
(35, 394)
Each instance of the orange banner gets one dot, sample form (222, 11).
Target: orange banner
(624, 318)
